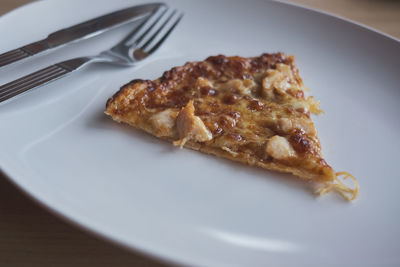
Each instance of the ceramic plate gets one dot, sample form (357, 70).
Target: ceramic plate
(189, 208)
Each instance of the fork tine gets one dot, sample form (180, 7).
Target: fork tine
(159, 30)
(151, 27)
(159, 43)
(137, 29)
(61, 69)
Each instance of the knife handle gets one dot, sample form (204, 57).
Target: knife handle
(22, 52)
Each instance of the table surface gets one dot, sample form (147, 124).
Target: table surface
(32, 236)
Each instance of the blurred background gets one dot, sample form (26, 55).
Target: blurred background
(32, 236)
(383, 15)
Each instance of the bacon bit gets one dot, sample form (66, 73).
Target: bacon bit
(208, 91)
(230, 99)
(256, 105)
(300, 143)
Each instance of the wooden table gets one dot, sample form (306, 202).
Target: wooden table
(32, 236)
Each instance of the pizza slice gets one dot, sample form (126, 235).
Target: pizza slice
(252, 110)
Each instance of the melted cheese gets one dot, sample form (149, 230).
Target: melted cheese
(244, 87)
(164, 122)
(203, 82)
(288, 125)
(279, 79)
(278, 147)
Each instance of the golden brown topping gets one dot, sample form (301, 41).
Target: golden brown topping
(164, 122)
(250, 106)
(279, 148)
(302, 144)
(256, 105)
(230, 99)
(278, 80)
(207, 91)
(302, 125)
(243, 87)
(203, 82)
(191, 127)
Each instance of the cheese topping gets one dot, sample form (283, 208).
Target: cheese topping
(222, 101)
(279, 79)
(243, 87)
(164, 122)
(278, 147)
(203, 82)
(290, 125)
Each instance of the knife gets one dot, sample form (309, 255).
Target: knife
(81, 31)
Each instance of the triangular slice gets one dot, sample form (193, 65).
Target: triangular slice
(252, 110)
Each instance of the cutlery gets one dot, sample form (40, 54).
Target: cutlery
(129, 51)
(80, 31)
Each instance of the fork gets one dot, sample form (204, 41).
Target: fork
(128, 52)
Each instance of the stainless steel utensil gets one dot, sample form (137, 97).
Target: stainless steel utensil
(81, 31)
(151, 35)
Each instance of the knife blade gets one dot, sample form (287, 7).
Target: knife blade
(79, 32)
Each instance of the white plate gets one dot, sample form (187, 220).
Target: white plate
(191, 208)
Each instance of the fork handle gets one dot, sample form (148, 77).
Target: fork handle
(41, 77)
